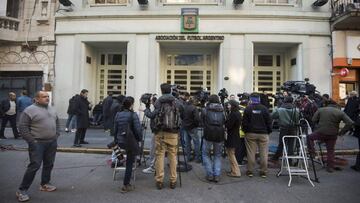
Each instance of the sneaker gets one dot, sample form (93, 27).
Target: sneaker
(355, 168)
(209, 178)
(3, 137)
(22, 196)
(249, 174)
(159, 185)
(263, 174)
(73, 130)
(173, 185)
(329, 170)
(77, 145)
(84, 142)
(47, 188)
(67, 130)
(127, 188)
(216, 179)
(149, 170)
(232, 175)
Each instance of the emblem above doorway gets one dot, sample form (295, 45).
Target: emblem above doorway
(190, 20)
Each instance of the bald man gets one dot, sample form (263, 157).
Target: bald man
(39, 126)
(8, 109)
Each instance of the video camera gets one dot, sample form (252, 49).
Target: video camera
(299, 87)
(223, 93)
(244, 98)
(145, 98)
(202, 96)
(176, 90)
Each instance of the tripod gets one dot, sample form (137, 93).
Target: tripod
(184, 156)
(144, 125)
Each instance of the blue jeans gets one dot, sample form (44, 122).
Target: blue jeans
(71, 121)
(39, 152)
(194, 136)
(212, 168)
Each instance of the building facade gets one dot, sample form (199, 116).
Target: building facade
(131, 47)
(345, 26)
(27, 45)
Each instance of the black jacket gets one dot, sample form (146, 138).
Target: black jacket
(5, 106)
(107, 112)
(352, 108)
(256, 119)
(72, 104)
(82, 112)
(232, 125)
(190, 116)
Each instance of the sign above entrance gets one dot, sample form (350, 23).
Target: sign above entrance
(189, 37)
(189, 20)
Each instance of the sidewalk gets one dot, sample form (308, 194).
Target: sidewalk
(98, 140)
(87, 178)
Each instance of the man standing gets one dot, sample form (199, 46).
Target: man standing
(107, 115)
(213, 118)
(352, 106)
(257, 127)
(166, 135)
(328, 119)
(190, 121)
(288, 116)
(82, 115)
(23, 101)
(8, 109)
(39, 126)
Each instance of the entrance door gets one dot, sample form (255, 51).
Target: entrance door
(192, 71)
(268, 73)
(112, 74)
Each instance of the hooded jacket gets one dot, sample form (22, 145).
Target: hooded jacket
(287, 114)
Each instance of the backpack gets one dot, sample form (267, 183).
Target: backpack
(72, 105)
(214, 130)
(168, 119)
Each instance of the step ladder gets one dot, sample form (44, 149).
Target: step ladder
(302, 165)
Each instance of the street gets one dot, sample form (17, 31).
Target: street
(87, 178)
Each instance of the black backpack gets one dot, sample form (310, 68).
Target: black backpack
(168, 119)
(214, 130)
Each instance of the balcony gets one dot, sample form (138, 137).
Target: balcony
(191, 2)
(345, 15)
(8, 28)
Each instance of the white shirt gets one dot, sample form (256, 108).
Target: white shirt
(12, 110)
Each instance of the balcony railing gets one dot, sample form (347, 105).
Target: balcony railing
(277, 2)
(341, 7)
(109, 2)
(192, 2)
(7, 23)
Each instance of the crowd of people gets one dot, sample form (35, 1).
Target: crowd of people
(206, 132)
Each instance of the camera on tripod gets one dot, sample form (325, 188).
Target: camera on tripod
(176, 90)
(244, 98)
(299, 87)
(223, 94)
(202, 96)
(145, 98)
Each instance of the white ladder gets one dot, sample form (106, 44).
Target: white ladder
(302, 166)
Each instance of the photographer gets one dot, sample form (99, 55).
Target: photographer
(127, 130)
(257, 126)
(167, 121)
(190, 122)
(288, 117)
(150, 100)
(328, 119)
(213, 118)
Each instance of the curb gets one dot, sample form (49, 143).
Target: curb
(146, 151)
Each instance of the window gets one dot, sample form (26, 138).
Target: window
(12, 8)
(182, 2)
(108, 2)
(277, 2)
